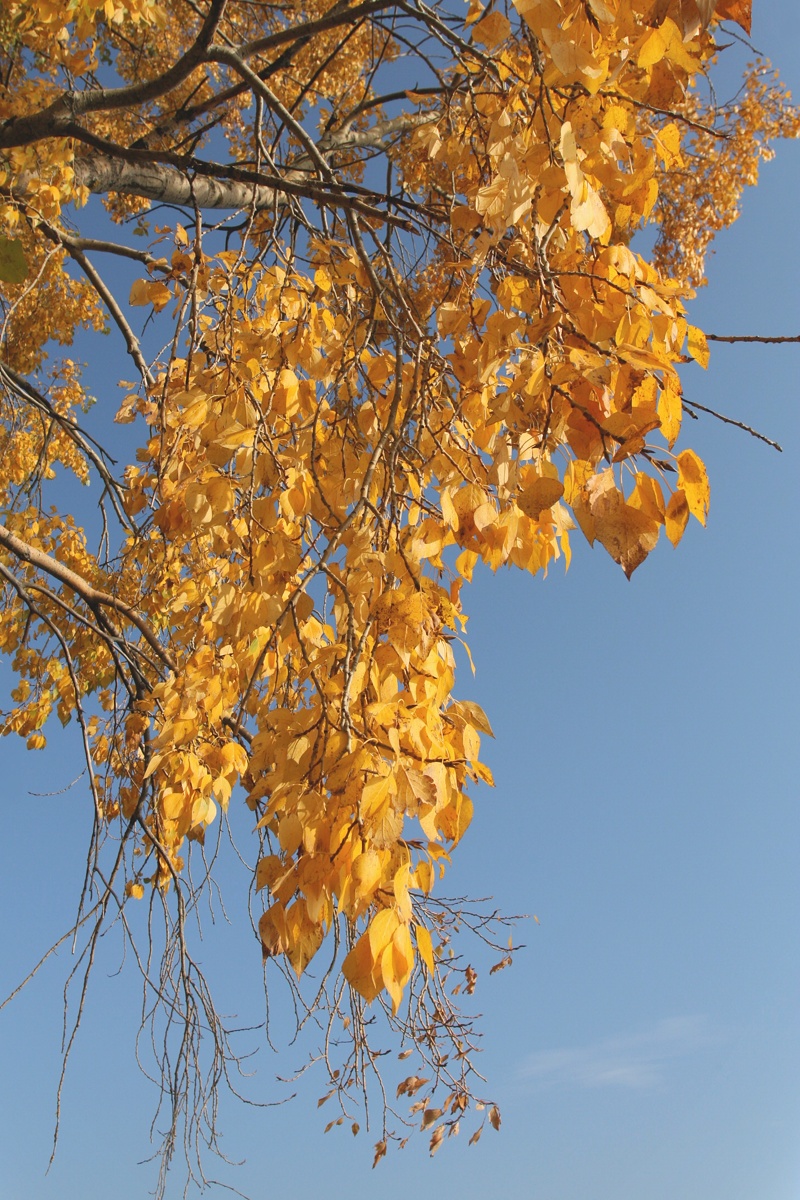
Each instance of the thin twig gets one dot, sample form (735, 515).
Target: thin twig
(690, 404)
(771, 341)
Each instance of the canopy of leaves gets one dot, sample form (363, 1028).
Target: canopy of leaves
(406, 327)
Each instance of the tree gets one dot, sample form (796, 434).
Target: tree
(399, 324)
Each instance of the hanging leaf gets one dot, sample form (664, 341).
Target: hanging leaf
(13, 264)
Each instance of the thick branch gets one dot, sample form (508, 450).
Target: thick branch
(155, 181)
(168, 185)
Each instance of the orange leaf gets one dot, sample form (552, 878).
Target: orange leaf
(739, 11)
(677, 516)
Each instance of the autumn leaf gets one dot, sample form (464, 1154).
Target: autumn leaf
(677, 516)
(425, 948)
(693, 480)
(670, 413)
(739, 11)
(492, 29)
(543, 492)
(698, 346)
(627, 532)
(13, 263)
(628, 535)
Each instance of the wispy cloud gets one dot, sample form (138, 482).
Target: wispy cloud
(636, 1060)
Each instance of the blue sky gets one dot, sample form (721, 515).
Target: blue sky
(646, 1043)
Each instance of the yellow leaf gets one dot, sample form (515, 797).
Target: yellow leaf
(692, 478)
(374, 794)
(366, 874)
(627, 533)
(390, 980)
(474, 714)
(589, 214)
(290, 833)
(653, 48)
(400, 886)
(322, 279)
(357, 969)
(268, 870)
(670, 414)
(381, 931)
(604, 10)
(402, 954)
(493, 29)
(304, 937)
(648, 497)
(423, 876)
(139, 293)
(698, 345)
(465, 564)
(272, 930)
(539, 495)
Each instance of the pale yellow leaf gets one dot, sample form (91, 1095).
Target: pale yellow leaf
(425, 947)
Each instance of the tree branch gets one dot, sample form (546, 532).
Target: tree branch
(50, 122)
(91, 596)
(157, 181)
(85, 444)
(109, 299)
(771, 341)
(166, 185)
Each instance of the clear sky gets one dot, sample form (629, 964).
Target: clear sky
(646, 1044)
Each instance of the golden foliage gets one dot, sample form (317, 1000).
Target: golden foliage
(375, 378)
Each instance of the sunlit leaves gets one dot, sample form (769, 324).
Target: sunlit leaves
(362, 395)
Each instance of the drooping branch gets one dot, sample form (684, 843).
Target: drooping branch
(87, 446)
(91, 596)
(110, 301)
